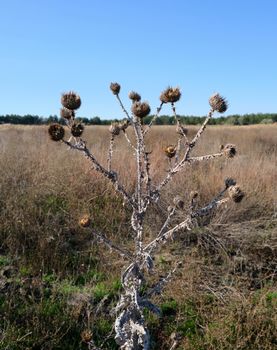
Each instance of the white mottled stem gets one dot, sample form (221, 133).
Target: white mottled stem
(206, 157)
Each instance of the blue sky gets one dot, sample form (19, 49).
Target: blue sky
(203, 46)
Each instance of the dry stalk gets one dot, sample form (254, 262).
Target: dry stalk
(130, 328)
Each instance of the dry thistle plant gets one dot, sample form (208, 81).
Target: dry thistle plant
(130, 328)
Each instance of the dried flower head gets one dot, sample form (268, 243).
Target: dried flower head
(170, 151)
(134, 96)
(115, 129)
(229, 182)
(179, 202)
(66, 113)
(141, 109)
(86, 336)
(218, 103)
(77, 129)
(229, 150)
(235, 193)
(71, 100)
(115, 87)
(85, 221)
(56, 132)
(170, 95)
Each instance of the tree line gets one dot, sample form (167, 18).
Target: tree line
(236, 119)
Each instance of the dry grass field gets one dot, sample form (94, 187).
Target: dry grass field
(55, 281)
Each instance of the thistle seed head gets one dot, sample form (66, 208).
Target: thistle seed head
(77, 129)
(230, 150)
(71, 100)
(235, 193)
(115, 88)
(56, 132)
(85, 221)
(141, 109)
(218, 103)
(170, 151)
(229, 182)
(86, 336)
(134, 96)
(115, 129)
(66, 113)
(179, 202)
(170, 95)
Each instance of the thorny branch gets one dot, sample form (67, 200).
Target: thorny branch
(130, 328)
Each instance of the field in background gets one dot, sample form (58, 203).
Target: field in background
(54, 276)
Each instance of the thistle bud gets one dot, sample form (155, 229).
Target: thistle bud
(141, 109)
(115, 88)
(170, 95)
(56, 132)
(229, 150)
(86, 336)
(77, 129)
(235, 193)
(179, 202)
(170, 151)
(229, 182)
(66, 113)
(71, 100)
(218, 103)
(114, 129)
(134, 96)
(85, 221)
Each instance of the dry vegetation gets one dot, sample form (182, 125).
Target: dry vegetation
(54, 279)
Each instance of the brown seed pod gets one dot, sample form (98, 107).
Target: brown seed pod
(77, 129)
(141, 109)
(71, 100)
(170, 95)
(56, 132)
(134, 96)
(115, 129)
(218, 103)
(115, 88)
(85, 221)
(229, 182)
(66, 113)
(170, 151)
(230, 150)
(235, 193)
(86, 336)
(179, 202)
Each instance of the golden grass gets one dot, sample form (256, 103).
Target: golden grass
(45, 188)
